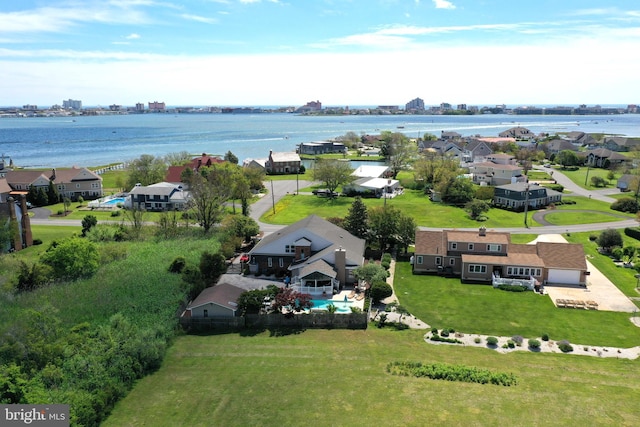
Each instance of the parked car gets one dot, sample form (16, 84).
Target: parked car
(323, 192)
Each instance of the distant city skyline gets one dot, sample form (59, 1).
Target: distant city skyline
(358, 52)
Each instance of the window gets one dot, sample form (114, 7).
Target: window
(419, 259)
(454, 246)
(438, 260)
(452, 261)
(494, 248)
(289, 249)
(470, 246)
(474, 268)
(281, 262)
(205, 313)
(269, 262)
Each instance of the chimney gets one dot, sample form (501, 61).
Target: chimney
(482, 231)
(340, 263)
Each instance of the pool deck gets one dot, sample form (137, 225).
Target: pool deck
(340, 297)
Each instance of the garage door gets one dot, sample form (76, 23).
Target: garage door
(570, 277)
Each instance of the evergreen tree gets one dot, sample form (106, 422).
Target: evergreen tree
(32, 195)
(41, 197)
(52, 193)
(356, 220)
(231, 158)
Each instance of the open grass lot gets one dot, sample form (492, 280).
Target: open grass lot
(473, 308)
(425, 212)
(579, 177)
(338, 378)
(565, 217)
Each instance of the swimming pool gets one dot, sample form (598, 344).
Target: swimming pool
(341, 306)
(114, 201)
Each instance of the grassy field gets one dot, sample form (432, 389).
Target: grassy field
(338, 378)
(582, 178)
(425, 212)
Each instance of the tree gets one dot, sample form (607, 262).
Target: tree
(242, 226)
(399, 151)
(332, 173)
(370, 272)
(135, 215)
(72, 258)
(87, 222)
(383, 225)
(456, 191)
(251, 302)
(207, 201)
(41, 197)
(611, 175)
(30, 278)
(598, 181)
(406, 231)
(52, 193)
(212, 266)
(609, 239)
(294, 300)
(177, 159)
(476, 208)
(567, 158)
(231, 158)
(146, 170)
(356, 220)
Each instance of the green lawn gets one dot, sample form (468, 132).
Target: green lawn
(429, 214)
(582, 176)
(565, 217)
(472, 308)
(338, 378)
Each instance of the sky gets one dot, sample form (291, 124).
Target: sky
(340, 52)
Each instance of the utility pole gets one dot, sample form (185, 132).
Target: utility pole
(526, 204)
(273, 199)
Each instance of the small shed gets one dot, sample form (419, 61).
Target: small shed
(218, 300)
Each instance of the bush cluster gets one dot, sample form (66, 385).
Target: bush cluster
(564, 346)
(512, 288)
(443, 371)
(626, 204)
(439, 338)
(492, 341)
(633, 232)
(534, 344)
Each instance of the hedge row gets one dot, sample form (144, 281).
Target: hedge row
(443, 371)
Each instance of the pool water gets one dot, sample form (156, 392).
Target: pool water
(113, 201)
(341, 306)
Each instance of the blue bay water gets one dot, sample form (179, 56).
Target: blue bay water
(101, 140)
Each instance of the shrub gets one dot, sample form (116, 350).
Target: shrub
(594, 237)
(534, 344)
(512, 288)
(511, 344)
(626, 204)
(444, 333)
(177, 265)
(517, 339)
(60, 212)
(565, 347)
(385, 264)
(380, 290)
(443, 371)
(438, 338)
(434, 330)
(633, 232)
(386, 257)
(37, 242)
(545, 337)
(492, 341)
(477, 340)
(116, 213)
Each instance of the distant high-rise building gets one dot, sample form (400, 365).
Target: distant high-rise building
(415, 104)
(157, 106)
(72, 104)
(139, 107)
(462, 107)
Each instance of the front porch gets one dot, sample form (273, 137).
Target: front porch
(324, 286)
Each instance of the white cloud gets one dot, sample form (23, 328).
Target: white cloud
(443, 4)
(198, 18)
(132, 36)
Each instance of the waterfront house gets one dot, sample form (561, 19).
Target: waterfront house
(517, 132)
(174, 173)
(282, 163)
(489, 256)
(515, 196)
(318, 256)
(160, 197)
(72, 183)
(321, 147)
(476, 149)
(621, 143)
(557, 145)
